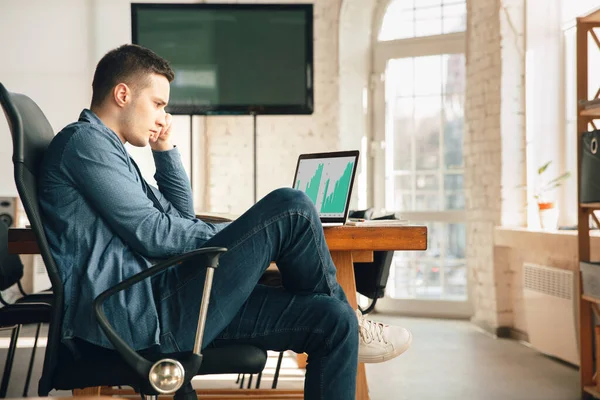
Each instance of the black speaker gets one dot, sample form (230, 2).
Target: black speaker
(590, 167)
(8, 210)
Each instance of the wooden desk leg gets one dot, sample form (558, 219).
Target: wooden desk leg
(345, 276)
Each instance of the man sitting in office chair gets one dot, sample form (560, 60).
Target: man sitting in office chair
(105, 223)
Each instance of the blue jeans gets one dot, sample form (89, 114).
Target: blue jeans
(310, 313)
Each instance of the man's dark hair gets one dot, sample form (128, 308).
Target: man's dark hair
(130, 64)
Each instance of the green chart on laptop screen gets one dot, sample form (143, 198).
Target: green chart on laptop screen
(327, 183)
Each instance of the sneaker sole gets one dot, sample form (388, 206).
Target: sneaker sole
(388, 356)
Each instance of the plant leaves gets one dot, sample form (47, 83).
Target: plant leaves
(560, 178)
(544, 167)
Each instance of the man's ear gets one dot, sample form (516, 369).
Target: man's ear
(122, 94)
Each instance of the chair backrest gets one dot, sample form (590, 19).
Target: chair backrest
(31, 135)
(11, 267)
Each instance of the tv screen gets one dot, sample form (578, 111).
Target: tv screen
(232, 58)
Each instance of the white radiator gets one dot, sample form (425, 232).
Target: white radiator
(550, 312)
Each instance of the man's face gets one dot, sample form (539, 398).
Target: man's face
(144, 116)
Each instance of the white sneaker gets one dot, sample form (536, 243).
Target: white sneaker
(380, 342)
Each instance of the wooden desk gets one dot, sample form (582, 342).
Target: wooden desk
(345, 244)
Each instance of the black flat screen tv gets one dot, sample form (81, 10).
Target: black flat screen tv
(232, 58)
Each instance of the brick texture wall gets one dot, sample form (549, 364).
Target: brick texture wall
(494, 107)
(482, 149)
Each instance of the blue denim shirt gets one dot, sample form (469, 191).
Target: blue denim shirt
(103, 226)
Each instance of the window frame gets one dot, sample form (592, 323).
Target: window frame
(450, 43)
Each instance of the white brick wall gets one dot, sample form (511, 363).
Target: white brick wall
(494, 148)
(482, 152)
(512, 112)
(356, 17)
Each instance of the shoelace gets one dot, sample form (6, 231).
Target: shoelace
(371, 330)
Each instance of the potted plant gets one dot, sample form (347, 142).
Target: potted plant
(548, 211)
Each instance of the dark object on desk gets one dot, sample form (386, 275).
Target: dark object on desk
(29, 309)
(371, 278)
(590, 167)
(393, 216)
(361, 214)
(31, 134)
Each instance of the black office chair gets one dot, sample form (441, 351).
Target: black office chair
(29, 309)
(151, 374)
(371, 277)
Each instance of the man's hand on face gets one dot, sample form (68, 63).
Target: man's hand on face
(161, 141)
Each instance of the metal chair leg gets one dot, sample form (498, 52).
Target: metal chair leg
(368, 309)
(9, 360)
(242, 381)
(250, 380)
(258, 380)
(276, 377)
(27, 379)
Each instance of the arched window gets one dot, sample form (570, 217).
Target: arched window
(418, 105)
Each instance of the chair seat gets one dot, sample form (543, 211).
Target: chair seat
(107, 368)
(25, 313)
(41, 297)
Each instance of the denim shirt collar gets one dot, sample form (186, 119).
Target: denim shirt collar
(91, 117)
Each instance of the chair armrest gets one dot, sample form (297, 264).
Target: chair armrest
(141, 365)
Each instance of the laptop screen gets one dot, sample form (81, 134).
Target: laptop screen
(327, 179)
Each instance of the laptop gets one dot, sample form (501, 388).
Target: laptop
(328, 178)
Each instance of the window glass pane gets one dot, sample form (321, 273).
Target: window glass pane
(453, 182)
(435, 238)
(427, 131)
(456, 241)
(403, 201)
(413, 18)
(428, 75)
(453, 129)
(427, 283)
(428, 182)
(428, 21)
(403, 192)
(427, 202)
(454, 9)
(402, 278)
(455, 201)
(403, 131)
(453, 74)
(454, 192)
(455, 280)
(451, 25)
(571, 75)
(404, 183)
(439, 273)
(398, 21)
(431, 4)
(454, 17)
(399, 77)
